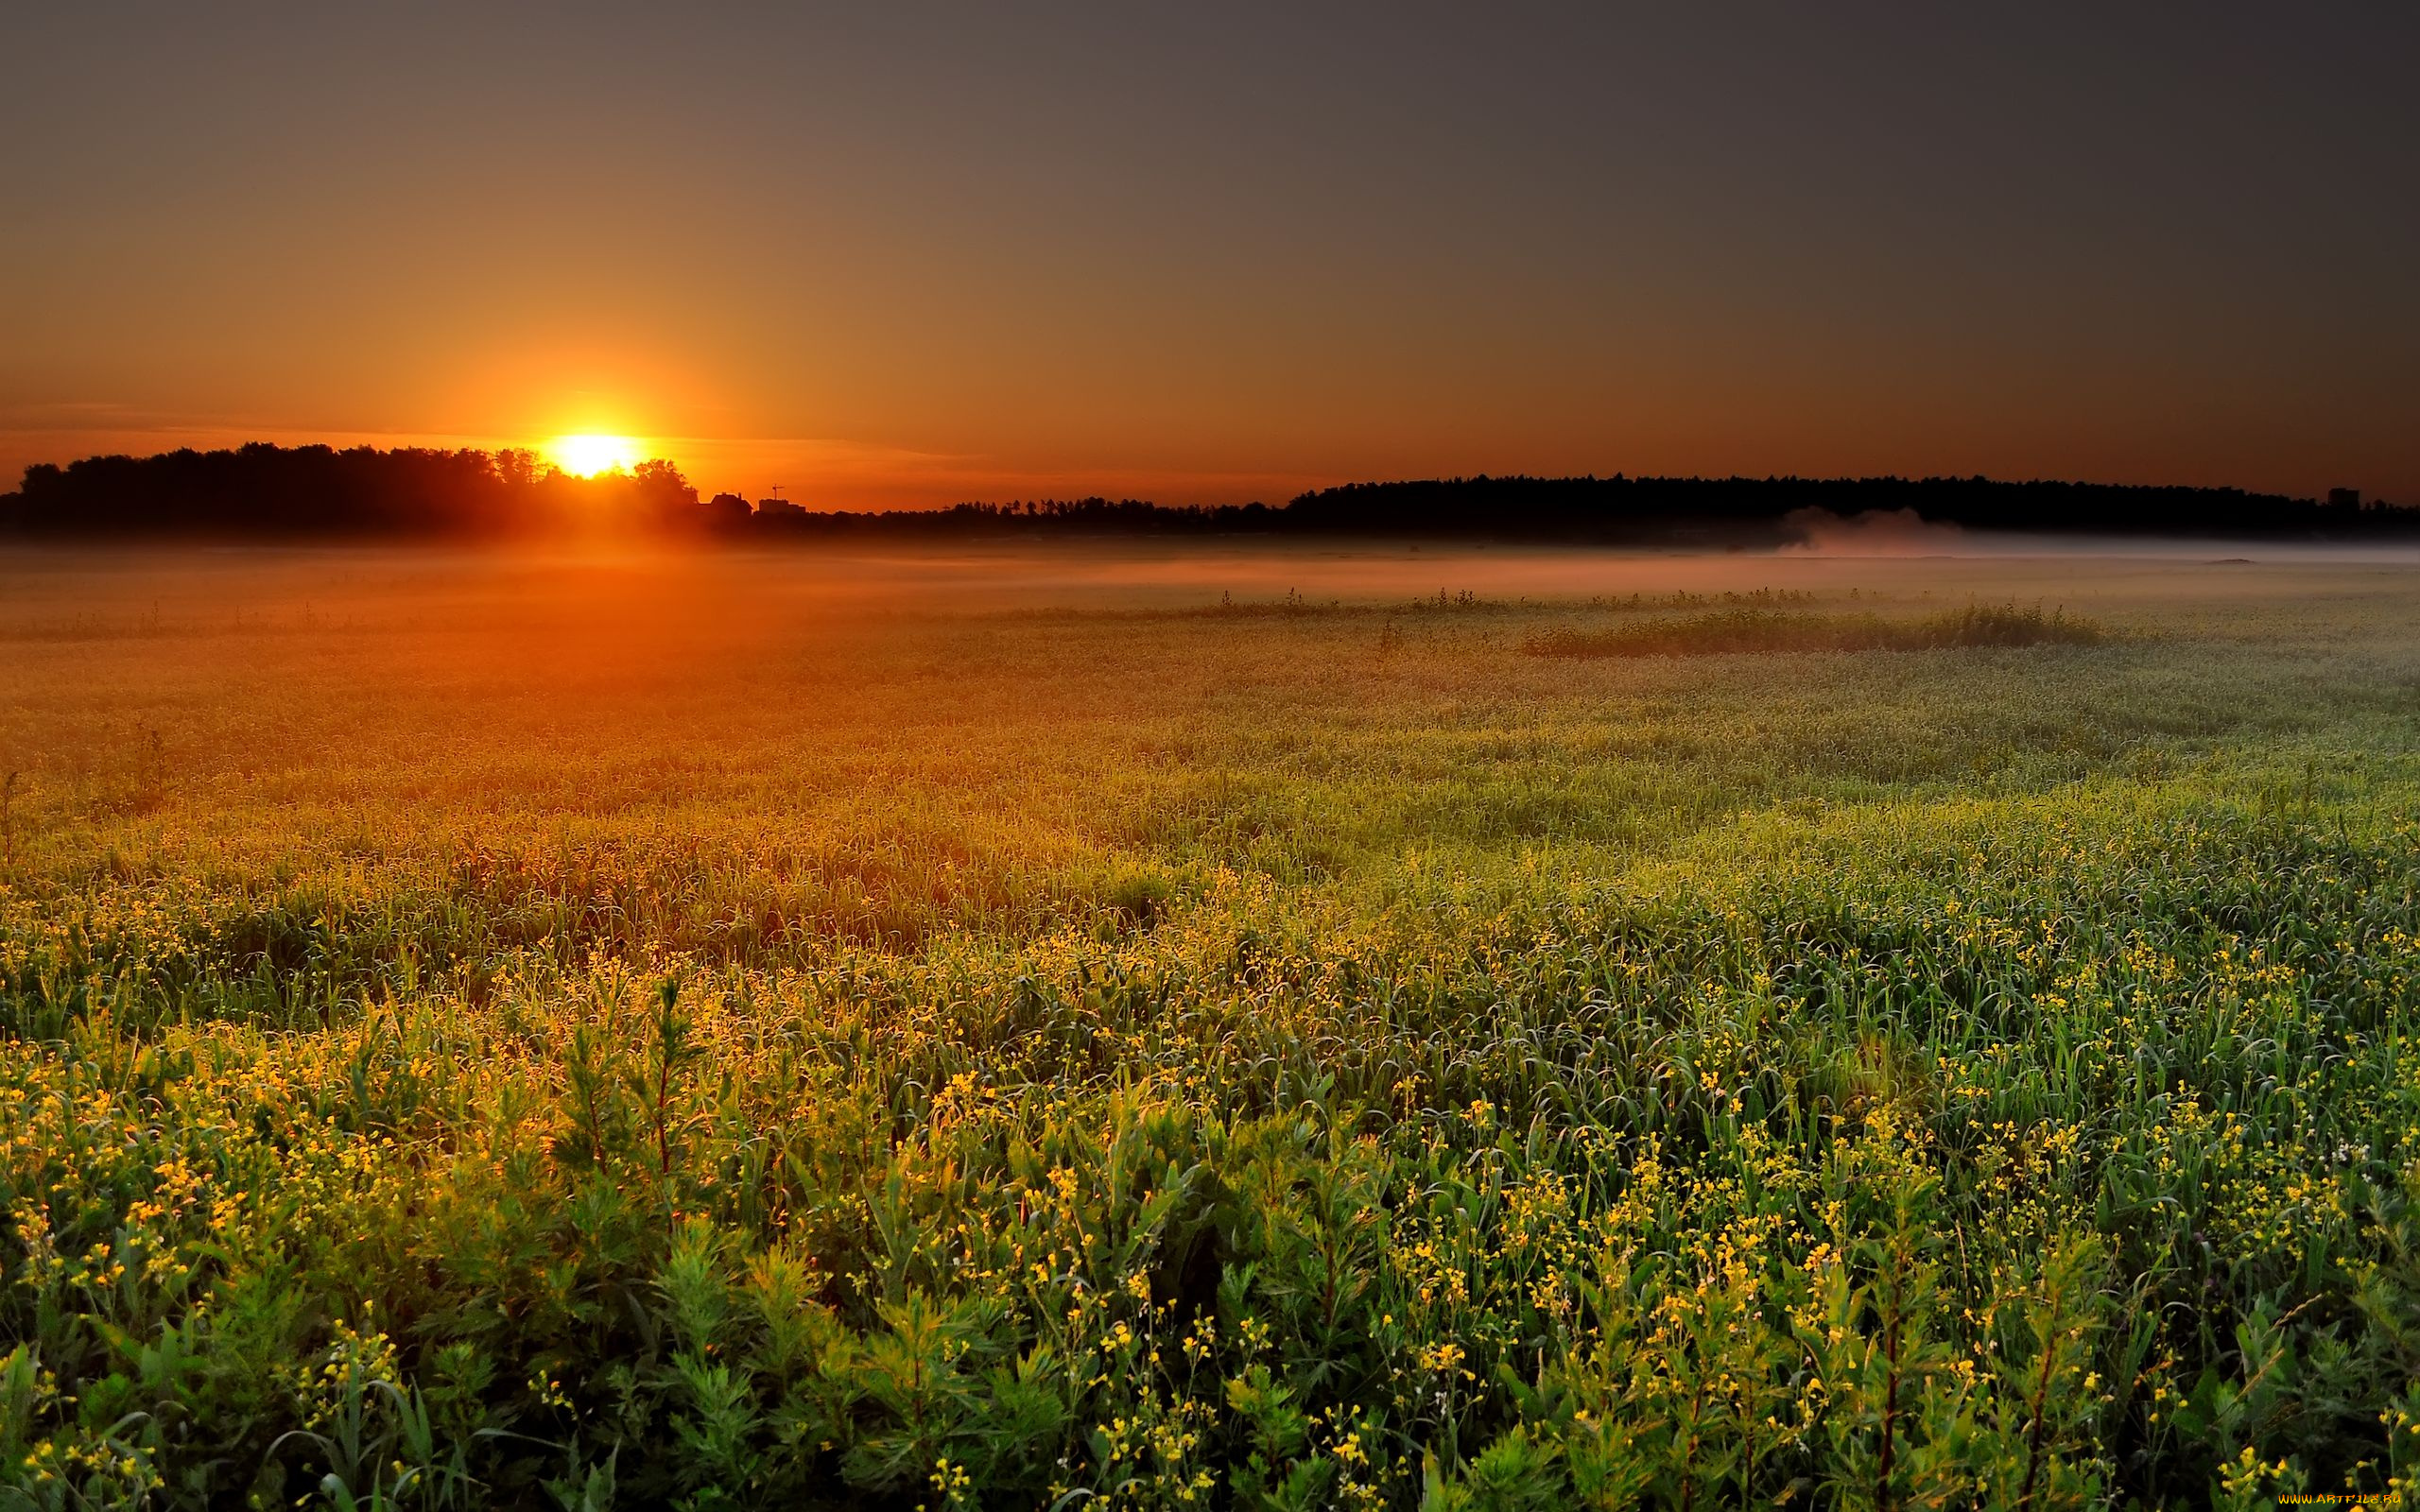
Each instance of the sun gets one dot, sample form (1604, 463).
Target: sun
(587, 456)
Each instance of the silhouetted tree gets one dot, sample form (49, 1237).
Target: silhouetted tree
(264, 490)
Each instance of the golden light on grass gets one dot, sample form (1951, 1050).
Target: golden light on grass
(586, 455)
(582, 775)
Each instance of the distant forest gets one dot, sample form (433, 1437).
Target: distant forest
(264, 491)
(271, 492)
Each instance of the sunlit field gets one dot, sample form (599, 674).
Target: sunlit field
(1203, 1027)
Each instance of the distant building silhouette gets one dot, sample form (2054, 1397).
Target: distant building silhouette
(2343, 498)
(779, 511)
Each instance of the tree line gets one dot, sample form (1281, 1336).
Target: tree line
(268, 491)
(1748, 511)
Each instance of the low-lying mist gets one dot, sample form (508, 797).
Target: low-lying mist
(610, 595)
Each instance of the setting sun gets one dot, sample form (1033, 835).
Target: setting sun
(587, 456)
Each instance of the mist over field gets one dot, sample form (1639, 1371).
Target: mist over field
(527, 612)
(1364, 1023)
(1275, 758)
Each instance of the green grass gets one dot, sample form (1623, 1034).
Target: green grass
(774, 1033)
(1730, 631)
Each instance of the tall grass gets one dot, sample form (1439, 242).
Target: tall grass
(815, 1078)
(1730, 631)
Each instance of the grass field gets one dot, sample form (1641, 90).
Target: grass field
(1226, 1029)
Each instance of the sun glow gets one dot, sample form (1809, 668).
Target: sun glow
(587, 456)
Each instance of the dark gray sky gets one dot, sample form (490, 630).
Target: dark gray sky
(911, 254)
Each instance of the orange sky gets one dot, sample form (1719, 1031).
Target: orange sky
(913, 258)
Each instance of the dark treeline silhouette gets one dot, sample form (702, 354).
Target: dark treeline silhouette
(1770, 510)
(264, 491)
(261, 491)
(1096, 515)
